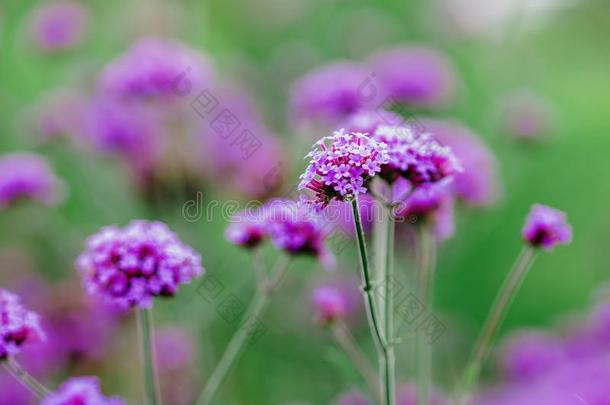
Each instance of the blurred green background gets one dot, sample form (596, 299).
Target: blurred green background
(264, 45)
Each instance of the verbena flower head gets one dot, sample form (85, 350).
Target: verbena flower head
(27, 176)
(531, 354)
(58, 26)
(340, 166)
(546, 227)
(297, 230)
(155, 69)
(80, 391)
(130, 266)
(478, 184)
(429, 205)
(248, 228)
(367, 121)
(416, 156)
(18, 325)
(415, 75)
(330, 93)
(329, 304)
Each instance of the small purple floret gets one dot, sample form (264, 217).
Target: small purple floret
(546, 227)
(80, 391)
(18, 325)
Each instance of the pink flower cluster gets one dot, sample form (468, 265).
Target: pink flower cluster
(329, 304)
(131, 265)
(418, 157)
(59, 26)
(81, 391)
(340, 165)
(546, 227)
(18, 325)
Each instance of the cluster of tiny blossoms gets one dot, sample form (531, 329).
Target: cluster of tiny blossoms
(340, 165)
(80, 390)
(131, 265)
(18, 325)
(418, 157)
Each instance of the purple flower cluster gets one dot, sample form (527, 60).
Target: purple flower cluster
(130, 266)
(80, 391)
(418, 157)
(329, 304)
(292, 227)
(546, 227)
(340, 165)
(18, 325)
(59, 26)
(154, 69)
(26, 175)
(415, 75)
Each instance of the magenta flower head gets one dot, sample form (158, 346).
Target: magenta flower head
(59, 26)
(329, 304)
(478, 184)
(367, 121)
(130, 266)
(415, 75)
(247, 229)
(546, 227)
(297, 230)
(27, 176)
(340, 166)
(81, 391)
(18, 325)
(155, 69)
(330, 93)
(531, 354)
(430, 205)
(416, 156)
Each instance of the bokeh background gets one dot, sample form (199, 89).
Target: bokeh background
(557, 50)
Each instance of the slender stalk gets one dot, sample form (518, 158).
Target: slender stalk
(496, 316)
(349, 345)
(29, 382)
(426, 262)
(390, 371)
(240, 338)
(147, 352)
(380, 342)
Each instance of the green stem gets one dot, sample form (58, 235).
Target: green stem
(240, 338)
(390, 371)
(426, 262)
(380, 343)
(496, 316)
(32, 384)
(151, 386)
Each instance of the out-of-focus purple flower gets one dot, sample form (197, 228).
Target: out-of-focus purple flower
(329, 304)
(59, 26)
(418, 157)
(429, 205)
(526, 116)
(353, 397)
(341, 214)
(297, 230)
(546, 227)
(367, 121)
(247, 228)
(81, 391)
(478, 183)
(131, 131)
(531, 354)
(330, 93)
(156, 69)
(130, 266)
(340, 165)
(415, 75)
(29, 176)
(174, 349)
(18, 325)
(59, 114)
(407, 395)
(13, 392)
